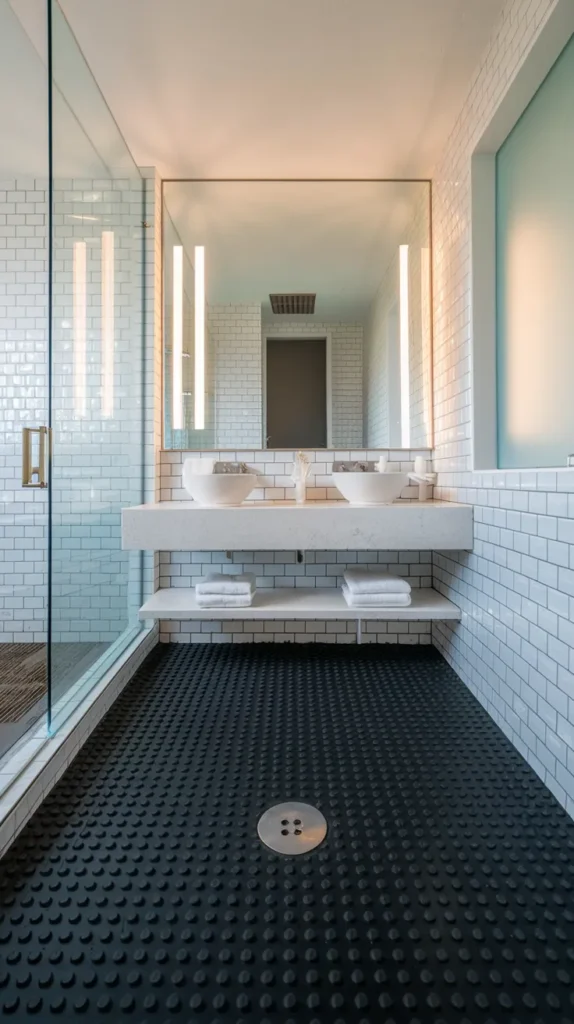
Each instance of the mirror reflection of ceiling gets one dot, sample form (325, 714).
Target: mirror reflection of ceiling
(332, 238)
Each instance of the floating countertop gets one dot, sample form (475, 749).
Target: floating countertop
(298, 603)
(285, 526)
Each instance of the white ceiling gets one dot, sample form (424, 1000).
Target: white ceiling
(335, 239)
(23, 124)
(288, 88)
(252, 88)
(86, 140)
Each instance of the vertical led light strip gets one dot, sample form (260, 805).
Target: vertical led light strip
(426, 342)
(199, 417)
(177, 339)
(404, 345)
(108, 326)
(79, 327)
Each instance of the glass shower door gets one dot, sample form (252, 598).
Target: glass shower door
(23, 383)
(97, 378)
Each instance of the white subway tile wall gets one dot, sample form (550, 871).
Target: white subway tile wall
(98, 458)
(515, 645)
(346, 373)
(274, 468)
(281, 569)
(235, 335)
(23, 402)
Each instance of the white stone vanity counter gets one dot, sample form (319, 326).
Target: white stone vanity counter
(285, 526)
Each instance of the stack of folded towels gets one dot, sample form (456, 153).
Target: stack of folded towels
(218, 590)
(371, 588)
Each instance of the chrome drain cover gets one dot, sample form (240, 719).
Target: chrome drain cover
(292, 828)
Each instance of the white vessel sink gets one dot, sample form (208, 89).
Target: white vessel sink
(370, 488)
(219, 488)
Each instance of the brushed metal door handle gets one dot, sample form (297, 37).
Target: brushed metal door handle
(35, 474)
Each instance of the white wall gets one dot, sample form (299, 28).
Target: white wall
(98, 460)
(515, 645)
(235, 333)
(24, 402)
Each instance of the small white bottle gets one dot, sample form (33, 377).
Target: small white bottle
(299, 476)
(421, 470)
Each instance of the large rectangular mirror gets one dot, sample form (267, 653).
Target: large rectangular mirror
(297, 314)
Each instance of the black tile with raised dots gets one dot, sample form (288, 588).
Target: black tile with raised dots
(442, 892)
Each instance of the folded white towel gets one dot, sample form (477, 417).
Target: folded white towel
(374, 581)
(224, 583)
(224, 600)
(376, 600)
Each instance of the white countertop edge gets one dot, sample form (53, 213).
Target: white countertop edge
(307, 506)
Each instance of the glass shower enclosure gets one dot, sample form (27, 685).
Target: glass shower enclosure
(72, 329)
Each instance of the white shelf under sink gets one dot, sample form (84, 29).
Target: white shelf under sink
(298, 603)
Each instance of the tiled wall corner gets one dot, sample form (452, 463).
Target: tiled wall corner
(515, 645)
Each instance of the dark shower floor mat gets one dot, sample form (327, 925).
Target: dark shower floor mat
(442, 892)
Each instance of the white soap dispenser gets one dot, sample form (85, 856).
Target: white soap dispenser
(382, 463)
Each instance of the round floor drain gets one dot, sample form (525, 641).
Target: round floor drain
(292, 828)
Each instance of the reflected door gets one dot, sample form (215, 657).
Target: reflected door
(297, 393)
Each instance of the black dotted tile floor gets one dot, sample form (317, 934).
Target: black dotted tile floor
(443, 891)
